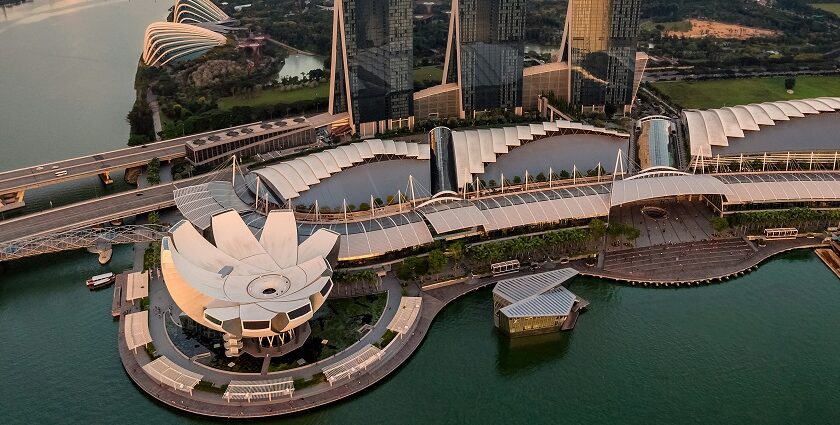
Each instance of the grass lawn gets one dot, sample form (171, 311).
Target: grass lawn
(718, 93)
(432, 73)
(273, 97)
(828, 7)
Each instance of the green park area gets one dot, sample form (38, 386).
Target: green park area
(828, 7)
(338, 324)
(427, 73)
(275, 96)
(718, 93)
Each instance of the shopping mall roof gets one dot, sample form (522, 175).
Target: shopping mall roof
(718, 127)
(288, 179)
(198, 203)
(544, 206)
(452, 215)
(773, 187)
(659, 184)
(376, 236)
(475, 148)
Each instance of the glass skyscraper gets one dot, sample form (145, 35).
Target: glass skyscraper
(601, 50)
(485, 53)
(372, 61)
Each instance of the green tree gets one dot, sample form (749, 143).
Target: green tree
(456, 250)
(140, 119)
(790, 83)
(437, 261)
(597, 228)
(137, 139)
(154, 217)
(719, 223)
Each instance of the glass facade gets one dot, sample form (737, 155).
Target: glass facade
(491, 53)
(442, 161)
(602, 50)
(378, 38)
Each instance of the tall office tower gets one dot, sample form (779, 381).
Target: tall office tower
(484, 54)
(372, 65)
(600, 47)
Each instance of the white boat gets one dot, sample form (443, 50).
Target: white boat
(101, 280)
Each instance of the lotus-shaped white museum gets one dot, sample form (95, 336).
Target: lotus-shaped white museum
(247, 286)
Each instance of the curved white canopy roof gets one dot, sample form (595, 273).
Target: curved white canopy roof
(290, 178)
(247, 286)
(475, 148)
(662, 185)
(715, 127)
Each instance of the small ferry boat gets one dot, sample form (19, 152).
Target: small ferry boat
(101, 280)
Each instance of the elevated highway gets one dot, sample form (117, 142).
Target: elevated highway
(13, 184)
(89, 213)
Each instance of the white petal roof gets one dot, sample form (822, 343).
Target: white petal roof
(715, 127)
(475, 148)
(245, 286)
(289, 179)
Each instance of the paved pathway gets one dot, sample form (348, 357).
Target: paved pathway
(151, 99)
(690, 262)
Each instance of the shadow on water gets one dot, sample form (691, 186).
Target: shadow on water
(522, 354)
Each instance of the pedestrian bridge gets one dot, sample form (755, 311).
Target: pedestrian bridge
(78, 239)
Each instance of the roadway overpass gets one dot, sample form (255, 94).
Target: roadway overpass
(92, 212)
(13, 184)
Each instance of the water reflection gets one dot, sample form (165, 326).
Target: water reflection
(297, 64)
(523, 354)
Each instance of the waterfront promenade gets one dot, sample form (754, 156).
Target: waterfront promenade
(647, 266)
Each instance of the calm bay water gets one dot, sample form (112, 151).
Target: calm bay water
(67, 82)
(759, 349)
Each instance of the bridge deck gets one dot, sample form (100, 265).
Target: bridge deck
(42, 175)
(92, 212)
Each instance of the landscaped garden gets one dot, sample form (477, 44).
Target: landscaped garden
(335, 327)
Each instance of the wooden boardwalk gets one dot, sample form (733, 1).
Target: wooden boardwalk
(831, 259)
(119, 294)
